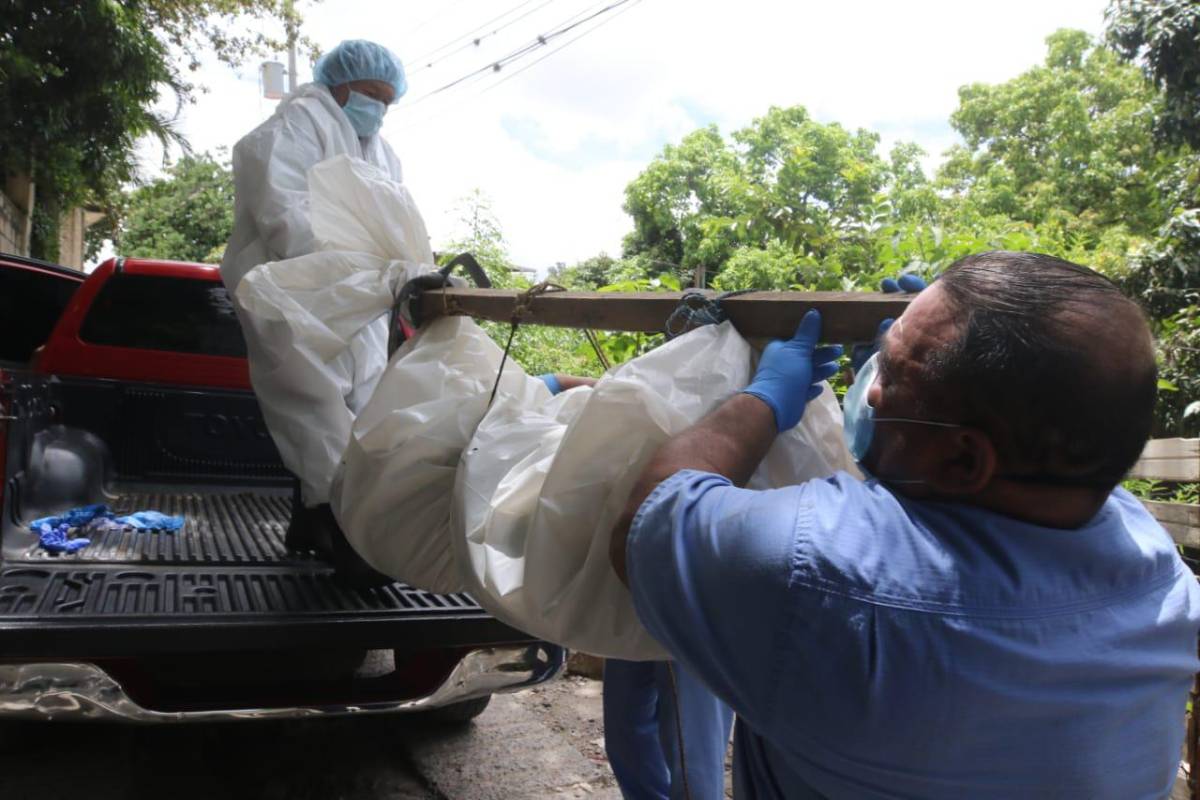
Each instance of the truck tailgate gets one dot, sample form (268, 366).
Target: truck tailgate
(225, 581)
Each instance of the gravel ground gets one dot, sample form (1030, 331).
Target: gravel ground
(572, 707)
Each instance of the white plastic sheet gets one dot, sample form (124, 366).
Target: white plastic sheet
(393, 493)
(514, 502)
(316, 326)
(540, 487)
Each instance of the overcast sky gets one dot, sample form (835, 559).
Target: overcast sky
(555, 145)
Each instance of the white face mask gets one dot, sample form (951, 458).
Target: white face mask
(365, 114)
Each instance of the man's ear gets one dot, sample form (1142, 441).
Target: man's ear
(341, 93)
(965, 461)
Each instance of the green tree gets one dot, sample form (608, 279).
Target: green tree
(1164, 276)
(186, 215)
(911, 195)
(79, 83)
(478, 233)
(589, 274)
(1164, 37)
(1066, 143)
(1178, 409)
(786, 180)
(814, 185)
(1061, 159)
(673, 198)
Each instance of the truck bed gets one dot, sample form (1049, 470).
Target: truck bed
(219, 528)
(224, 581)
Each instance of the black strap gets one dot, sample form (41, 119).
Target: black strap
(411, 292)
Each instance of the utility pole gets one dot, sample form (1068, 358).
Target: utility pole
(290, 10)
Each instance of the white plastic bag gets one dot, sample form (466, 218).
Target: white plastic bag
(540, 488)
(393, 493)
(316, 326)
(514, 502)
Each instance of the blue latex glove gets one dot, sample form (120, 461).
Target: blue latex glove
(551, 382)
(789, 371)
(150, 520)
(908, 284)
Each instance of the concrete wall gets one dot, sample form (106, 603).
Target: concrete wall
(16, 198)
(15, 201)
(70, 238)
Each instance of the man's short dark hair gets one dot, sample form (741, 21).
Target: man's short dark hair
(1053, 362)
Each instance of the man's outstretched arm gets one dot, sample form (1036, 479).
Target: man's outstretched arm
(732, 440)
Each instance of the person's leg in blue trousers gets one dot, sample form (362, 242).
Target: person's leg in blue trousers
(631, 730)
(640, 730)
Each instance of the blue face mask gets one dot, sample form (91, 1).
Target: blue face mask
(858, 425)
(365, 113)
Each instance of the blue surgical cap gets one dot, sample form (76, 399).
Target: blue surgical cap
(360, 60)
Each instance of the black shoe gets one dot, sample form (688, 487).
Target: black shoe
(349, 566)
(315, 530)
(305, 533)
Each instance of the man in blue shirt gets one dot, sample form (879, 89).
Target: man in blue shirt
(986, 615)
(658, 717)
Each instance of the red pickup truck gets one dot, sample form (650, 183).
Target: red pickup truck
(139, 398)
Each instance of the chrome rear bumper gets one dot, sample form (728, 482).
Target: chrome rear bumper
(82, 691)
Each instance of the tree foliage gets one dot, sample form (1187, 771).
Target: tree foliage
(589, 274)
(79, 83)
(1164, 37)
(785, 181)
(186, 215)
(1061, 159)
(1068, 142)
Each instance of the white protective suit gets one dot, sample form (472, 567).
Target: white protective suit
(308, 409)
(513, 502)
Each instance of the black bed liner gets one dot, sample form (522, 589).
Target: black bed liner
(224, 581)
(219, 528)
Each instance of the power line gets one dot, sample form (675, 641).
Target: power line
(573, 39)
(476, 41)
(443, 111)
(441, 12)
(472, 32)
(541, 41)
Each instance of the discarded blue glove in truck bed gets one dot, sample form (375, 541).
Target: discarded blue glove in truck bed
(54, 532)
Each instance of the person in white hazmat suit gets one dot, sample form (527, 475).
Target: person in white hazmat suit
(339, 113)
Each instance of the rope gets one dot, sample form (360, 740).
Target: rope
(522, 306)
(524, 302)
(594, 341)
(695, 309)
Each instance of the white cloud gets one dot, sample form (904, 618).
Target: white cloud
(555, 145)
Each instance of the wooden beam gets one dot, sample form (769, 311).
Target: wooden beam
(1169, 460)
(1182, 521)
(846, 316)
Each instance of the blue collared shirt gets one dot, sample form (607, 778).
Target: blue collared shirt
(879, 647)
